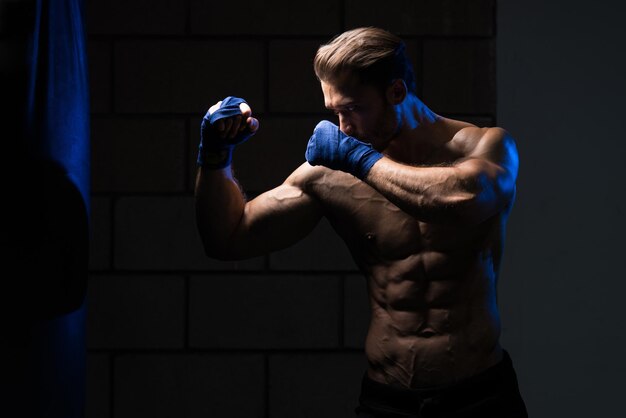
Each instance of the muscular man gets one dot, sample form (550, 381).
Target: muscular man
(421, 201)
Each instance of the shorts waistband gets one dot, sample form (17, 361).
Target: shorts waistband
(492, 378)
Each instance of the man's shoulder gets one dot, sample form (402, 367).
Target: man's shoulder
(472, 139)
(307, 174)
(320, 181)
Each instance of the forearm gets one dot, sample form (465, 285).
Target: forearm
(470, 190)
(219, 208)
(432, 194)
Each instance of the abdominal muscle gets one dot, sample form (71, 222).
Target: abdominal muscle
(430, 332)
(432, 288)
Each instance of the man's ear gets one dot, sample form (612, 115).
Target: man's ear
(396, 92)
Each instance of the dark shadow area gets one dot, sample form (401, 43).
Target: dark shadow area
(45, 232)
(47, 243)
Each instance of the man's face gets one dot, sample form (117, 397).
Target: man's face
(363, 111)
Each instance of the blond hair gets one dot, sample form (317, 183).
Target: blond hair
(374, 55)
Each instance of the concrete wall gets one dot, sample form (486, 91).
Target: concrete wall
(561, 90)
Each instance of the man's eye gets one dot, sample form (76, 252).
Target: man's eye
(347, 109)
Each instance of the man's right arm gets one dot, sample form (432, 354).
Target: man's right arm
(232, 228)
(229, 226)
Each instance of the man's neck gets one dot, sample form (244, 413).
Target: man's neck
(419, 131)
(415, 114)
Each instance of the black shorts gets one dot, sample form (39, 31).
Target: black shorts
(493, 393)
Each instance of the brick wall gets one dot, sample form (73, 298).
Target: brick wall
(172, 333)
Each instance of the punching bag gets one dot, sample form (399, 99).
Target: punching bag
(44, 131)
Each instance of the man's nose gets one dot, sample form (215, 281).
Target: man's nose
(345, 126)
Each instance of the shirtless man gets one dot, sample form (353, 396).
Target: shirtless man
(421, 201)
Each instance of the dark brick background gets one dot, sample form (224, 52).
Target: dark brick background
(170, 332)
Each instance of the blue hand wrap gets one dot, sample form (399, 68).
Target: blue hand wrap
(216, 152)
(330, 147)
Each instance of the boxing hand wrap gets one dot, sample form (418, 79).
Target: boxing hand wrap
(330, 147)
(215, 152)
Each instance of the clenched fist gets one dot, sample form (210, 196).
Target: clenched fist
(330, 147)
(227, 124)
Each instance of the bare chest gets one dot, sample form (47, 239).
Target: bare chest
(377, 231)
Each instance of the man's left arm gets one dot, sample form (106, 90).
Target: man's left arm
(470, 190)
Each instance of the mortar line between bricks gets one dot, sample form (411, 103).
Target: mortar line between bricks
(495, 104)
(320, 37)
(116, 194)
(466, 115)
(261, 115)
(266, 376)
(182, 115)
(187, 151)
(146, 272)
(186, 315)
(420, 83)
(195, 37)
(113, 78)
(267, 266)
(494, 19)
(112, 205)
(112, 386)
(453, 37)
(224, 351)
(266, 68)
(342, 308)
(187, 30)
(495, 59)
(138, 116)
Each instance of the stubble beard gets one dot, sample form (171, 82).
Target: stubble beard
(389, 125)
